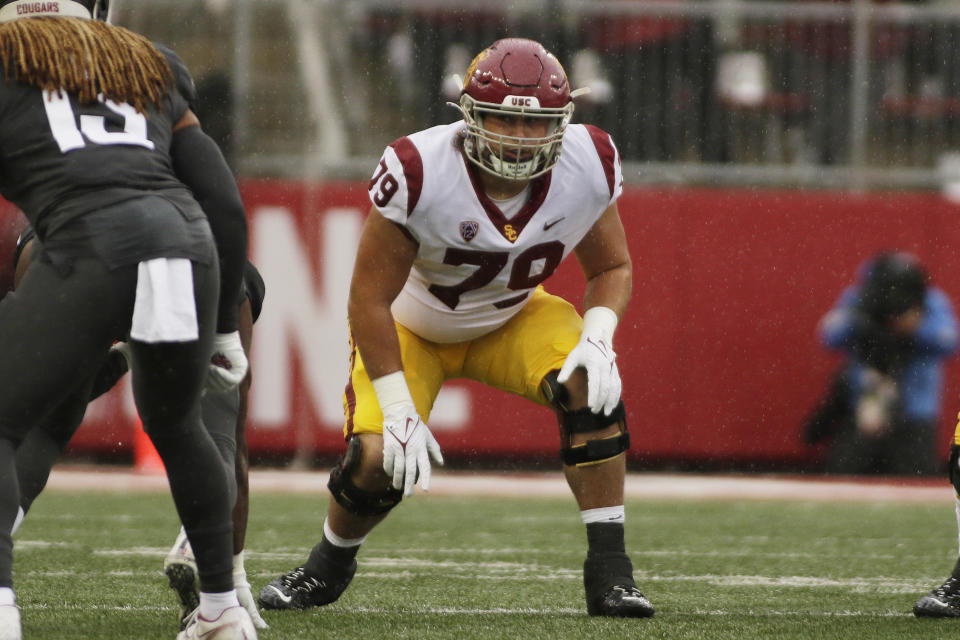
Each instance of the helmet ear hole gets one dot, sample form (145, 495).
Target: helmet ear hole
(99, 10)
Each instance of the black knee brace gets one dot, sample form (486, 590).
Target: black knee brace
(358, 501)
(585, 421)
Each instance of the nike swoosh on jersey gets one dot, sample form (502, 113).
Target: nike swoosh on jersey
(547, 225)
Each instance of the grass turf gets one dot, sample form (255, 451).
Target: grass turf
(88, 565)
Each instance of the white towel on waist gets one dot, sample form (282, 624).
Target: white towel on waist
(164, 310)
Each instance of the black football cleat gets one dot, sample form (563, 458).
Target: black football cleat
(621, 602)
(300, 589)
(942, 602)
(610, 589)
(180, 567)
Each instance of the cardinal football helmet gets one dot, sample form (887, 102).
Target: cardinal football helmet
(515, 77)
(13, 9)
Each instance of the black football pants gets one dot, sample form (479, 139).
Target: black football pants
(45, 443)
(56, 329)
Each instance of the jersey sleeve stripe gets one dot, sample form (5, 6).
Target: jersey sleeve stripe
(409, 157)
(608, 155)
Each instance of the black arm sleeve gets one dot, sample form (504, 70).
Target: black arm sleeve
(255, 289)
(198, 163)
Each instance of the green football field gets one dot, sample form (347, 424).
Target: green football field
(89, 565)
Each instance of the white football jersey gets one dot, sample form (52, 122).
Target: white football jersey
(475, 268)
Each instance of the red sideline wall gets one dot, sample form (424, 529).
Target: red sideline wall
(718, 351)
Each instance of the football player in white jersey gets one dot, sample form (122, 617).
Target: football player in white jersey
(468, 219)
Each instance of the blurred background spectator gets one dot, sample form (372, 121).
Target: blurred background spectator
(882, 407)
(709, 87)
(817, 62)
(661, 69)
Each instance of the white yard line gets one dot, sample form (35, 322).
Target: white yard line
(502, 611)
(396, 568)
(655, 486)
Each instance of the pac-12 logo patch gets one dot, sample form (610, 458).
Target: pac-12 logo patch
(468, 229)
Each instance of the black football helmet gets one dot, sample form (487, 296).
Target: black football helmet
(895, 282)
(13, 9)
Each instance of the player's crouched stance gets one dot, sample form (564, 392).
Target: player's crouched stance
(468, 220)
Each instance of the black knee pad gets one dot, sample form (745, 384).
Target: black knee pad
(596, 450)
(358, 501)
(585, 421)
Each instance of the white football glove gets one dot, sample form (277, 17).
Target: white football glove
(408, 444)
(228, 364)
(595, 354)
(244, 595)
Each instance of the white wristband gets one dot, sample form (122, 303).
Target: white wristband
(600, 321)
(392, 392)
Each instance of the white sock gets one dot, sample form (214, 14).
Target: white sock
(214, 604)
(337, 541)
(239, 572)
(956, 507)
(7, 597)
(18, 521)
(604, 514)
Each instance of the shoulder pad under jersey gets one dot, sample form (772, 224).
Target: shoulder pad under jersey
(181, 75)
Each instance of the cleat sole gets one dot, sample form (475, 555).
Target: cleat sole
(183, 581)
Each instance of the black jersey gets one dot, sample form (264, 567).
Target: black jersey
(60, 159)
(254, 289)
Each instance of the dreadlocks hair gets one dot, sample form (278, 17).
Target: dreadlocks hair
(85, 58)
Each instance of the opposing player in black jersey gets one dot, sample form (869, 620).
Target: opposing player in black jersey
(224, 416)
(94, 121)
